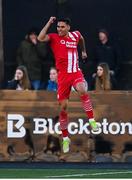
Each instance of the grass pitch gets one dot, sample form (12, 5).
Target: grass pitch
(65, 173)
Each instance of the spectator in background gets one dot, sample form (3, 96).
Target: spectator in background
(103, 79)
(52, 83)
(107, 52)
(31, 54)
(21, 80)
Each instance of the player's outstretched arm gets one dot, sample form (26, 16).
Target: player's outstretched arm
(83, 47)
(43, 34)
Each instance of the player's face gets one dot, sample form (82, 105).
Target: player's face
(19, 74)
(62, 28)
(53, 75)
(99, 71)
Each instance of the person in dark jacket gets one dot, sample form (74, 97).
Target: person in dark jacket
(52, 83)
(21, 80)
(103, 79)
(108, 52)
(31, 54)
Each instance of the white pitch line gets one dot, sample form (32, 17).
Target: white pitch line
(94, 174)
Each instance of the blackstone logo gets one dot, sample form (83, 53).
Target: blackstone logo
(42, 126)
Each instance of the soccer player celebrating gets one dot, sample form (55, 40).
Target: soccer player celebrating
(64, 47)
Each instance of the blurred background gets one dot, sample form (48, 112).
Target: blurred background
(87, 16)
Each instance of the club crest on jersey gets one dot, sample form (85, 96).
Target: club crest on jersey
(62, 41)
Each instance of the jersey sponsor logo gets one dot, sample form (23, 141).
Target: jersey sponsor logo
(69, 44)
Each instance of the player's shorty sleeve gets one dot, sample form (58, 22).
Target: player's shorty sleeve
(77, 35)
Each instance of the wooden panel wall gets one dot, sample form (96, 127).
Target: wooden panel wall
(114, 105)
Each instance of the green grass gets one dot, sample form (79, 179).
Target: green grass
(65, 173)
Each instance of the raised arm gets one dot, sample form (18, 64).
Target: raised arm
(43, 34)
(83, 48)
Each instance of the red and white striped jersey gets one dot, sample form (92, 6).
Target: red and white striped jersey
(65, 51)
